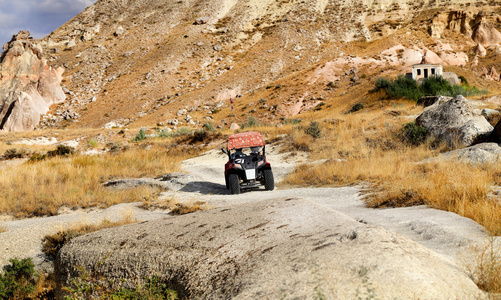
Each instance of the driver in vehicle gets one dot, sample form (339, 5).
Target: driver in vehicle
(238, 153)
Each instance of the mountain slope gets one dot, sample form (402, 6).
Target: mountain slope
(141, 62)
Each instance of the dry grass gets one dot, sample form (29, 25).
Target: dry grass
(51, 244)
(175, 207)
(40, 188)
(365, 148)
(483, 265)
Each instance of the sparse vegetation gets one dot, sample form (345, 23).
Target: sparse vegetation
(413, 134)
(251, 123)
(380, 158)
(61, 150)
(403, 87)
(175, 207)
(19, 279)
(88, 286)
(92, 143)
(314, 130)
(14, 153)
(51, 244)
(141, 135)
(41, 187)
(485, 268)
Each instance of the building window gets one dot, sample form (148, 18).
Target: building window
(418, 72)
(432, 71)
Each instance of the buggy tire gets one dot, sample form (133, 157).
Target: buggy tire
(234, 183)
(269, 181)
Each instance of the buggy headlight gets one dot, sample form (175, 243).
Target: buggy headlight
(237, 166)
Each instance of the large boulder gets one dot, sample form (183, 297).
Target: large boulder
(28, 85)
(456, 122)
(483, 153)
(285, 248)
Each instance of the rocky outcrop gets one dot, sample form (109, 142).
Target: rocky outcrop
(284, 248)
(480, 50)
(484, 32)
(484, 153)
(455, 122)
(28, 85)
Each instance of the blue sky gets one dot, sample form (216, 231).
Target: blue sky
(39, 17)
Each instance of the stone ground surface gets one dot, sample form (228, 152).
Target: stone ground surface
(446, 234)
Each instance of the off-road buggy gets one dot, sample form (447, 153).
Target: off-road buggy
(247, 166)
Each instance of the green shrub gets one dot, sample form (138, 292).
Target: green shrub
(314, 130)
(16, 153)
(404, 87)
(208, 126)
(19, 279)
(292, 121)
(61, 150)
(92, 143)
(87, 286)
(407, 88)
(356, 107)
(251, 122)
(435, 85)
(140, 136)
(163, 134)
(413, 134)
(37, 157)
(382, 83)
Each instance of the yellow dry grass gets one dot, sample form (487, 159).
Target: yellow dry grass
(364, 147)
(51, 244)
(174, 205)
(40, 188)
(483, 264)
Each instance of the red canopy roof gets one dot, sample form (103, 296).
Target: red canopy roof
(245, 139)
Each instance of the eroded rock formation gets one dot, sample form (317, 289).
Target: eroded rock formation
(284, 248)
(455, 122)
(28, 85)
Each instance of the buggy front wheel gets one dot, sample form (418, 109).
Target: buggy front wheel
(234, 182)
(269, 181)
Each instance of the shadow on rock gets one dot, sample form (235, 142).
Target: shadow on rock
(205, 187)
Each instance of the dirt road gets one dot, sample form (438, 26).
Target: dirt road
(443, 232)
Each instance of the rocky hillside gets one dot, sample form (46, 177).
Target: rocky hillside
(28, 85)
(145, 62)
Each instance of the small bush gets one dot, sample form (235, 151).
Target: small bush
(251, 122)
(163, 134)
(292, 121)
(37, 157)
(407, 88)
(382, 83)
(140, 136)
(314, 130)
(404, 87)
(16, 153)
(413, 134)
(435, 85)
(88, 286)
(208, 126)
(356, 107)
(19, 279)
(92, 143)
(61, 150)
